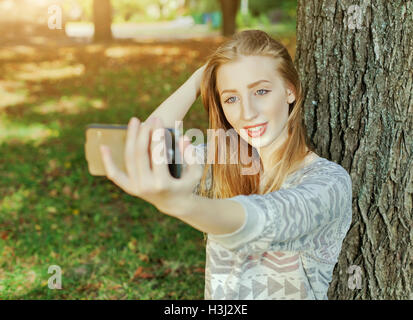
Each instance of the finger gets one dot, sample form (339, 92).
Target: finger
(143, 166)
(192, 168)
(184, 141)
(158, 152)
(130, 160)
(112, 172)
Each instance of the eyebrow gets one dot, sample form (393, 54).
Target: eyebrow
(249, 86)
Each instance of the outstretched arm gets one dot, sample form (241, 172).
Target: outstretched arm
(213, 216)
(314, 214)
(176, 106)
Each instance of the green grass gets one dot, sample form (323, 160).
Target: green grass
(53, 212)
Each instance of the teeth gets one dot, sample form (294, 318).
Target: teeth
(256, 129)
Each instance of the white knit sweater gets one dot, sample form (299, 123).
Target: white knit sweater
(290, 241)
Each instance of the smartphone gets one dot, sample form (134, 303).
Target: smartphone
(114, 136)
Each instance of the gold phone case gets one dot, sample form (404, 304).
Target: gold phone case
(114, 136)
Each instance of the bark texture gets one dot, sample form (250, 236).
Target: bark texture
(355, 62)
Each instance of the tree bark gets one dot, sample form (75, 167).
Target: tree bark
(229, 12)
(102, 19)
(356, 66)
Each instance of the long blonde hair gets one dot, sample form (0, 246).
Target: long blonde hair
(227, 180)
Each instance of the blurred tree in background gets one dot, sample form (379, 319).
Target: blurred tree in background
(78, 16)
(269, 11)
(202, 6)
(276, 9)
(102, 19)
(229, 11)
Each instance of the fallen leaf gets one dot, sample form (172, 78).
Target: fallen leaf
(139, 273)
(67, 191)
(31, 277)
(114, 195)
(116, 287)
(52, 164)
(4, 235)
(132, 244)
(104, 235)
(143, 257)
(94, 253)
(80, 270)
(51, 209)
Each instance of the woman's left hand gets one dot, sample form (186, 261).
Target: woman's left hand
(147, 175)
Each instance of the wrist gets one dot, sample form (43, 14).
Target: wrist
(197, 78)
(180, 207)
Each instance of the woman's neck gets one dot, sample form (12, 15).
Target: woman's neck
(267, 151)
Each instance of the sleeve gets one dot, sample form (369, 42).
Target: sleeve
(305, 216)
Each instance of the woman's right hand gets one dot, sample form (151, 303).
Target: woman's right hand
(147, 175)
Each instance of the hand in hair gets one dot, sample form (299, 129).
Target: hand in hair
(148, 179)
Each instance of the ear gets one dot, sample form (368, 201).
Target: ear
(290, 96)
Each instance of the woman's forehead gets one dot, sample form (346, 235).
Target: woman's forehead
(241, 73)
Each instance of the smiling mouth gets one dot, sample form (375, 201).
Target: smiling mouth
(256, 131)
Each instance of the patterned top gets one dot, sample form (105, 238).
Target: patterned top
(290, 240)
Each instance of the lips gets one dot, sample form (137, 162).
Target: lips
(256, 130)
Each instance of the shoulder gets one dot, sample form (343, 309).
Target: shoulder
(335, 182)
(323, 168)
(324, 178)
(338, 173)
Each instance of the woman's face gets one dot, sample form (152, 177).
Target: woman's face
(252, 93)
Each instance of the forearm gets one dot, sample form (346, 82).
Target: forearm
(176, 106)
(215, 216)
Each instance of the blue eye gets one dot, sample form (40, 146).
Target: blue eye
(228, 100)
(263, 90)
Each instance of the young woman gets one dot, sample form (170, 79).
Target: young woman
(273, 234)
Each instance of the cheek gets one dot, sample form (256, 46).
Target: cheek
(231, 116)
(276, 110)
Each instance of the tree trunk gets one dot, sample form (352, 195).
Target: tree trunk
(229, 12)
(102, 19)
(355, 62)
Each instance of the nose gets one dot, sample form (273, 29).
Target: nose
(249, 111)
